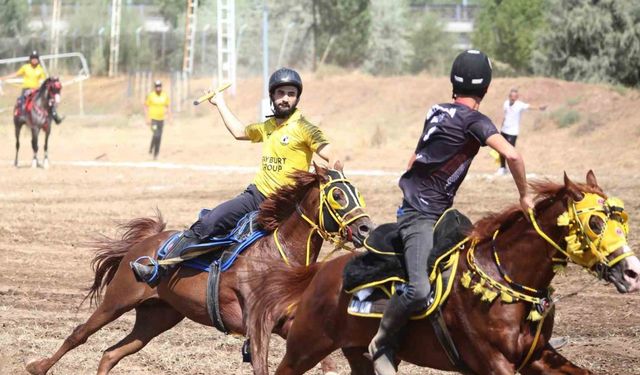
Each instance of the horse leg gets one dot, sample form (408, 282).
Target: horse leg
(34, 145)
(359, 364)
(151, 320)
(122, 295)
(46, 148)
(17, 126)
(549, 361)
(101, 317)
(305, 349)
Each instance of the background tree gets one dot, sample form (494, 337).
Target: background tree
(432, 47)
(347, 23)
(13, 16)
(506, 31)
(595, 41)
(388, 49)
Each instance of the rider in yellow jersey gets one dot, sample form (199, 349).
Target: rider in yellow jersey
(33, 75)
(289, 141)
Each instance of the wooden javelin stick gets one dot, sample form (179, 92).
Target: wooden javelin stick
(210, 95)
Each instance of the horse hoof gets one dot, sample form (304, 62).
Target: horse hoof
(31, 365)
(46, 164)
(34, 163)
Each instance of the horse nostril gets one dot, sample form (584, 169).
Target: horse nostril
(630, 274)
(363, 229)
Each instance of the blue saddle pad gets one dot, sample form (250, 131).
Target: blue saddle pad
(242, 236)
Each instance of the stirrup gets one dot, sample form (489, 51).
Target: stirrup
(151, 279)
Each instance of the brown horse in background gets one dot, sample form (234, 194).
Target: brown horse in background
(183, 293)
(491, 337)
(37, 116)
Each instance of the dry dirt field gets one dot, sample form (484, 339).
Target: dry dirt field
(46, 215)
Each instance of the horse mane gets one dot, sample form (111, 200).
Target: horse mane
(282, 203)
(546, 193)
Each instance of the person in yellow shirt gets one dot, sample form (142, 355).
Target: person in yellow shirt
(33, 75)
(288, 144)
(156, 108)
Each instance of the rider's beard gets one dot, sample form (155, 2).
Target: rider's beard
(283, 110)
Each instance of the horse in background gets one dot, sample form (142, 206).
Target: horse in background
(36, 114)
(318, 206)
(490, 313)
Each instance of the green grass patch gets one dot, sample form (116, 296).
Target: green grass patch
(565, 117)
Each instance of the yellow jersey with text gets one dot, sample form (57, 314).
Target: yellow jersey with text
(287, 147)
(157, 105)
(31, 77)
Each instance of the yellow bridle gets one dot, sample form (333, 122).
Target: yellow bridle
(335, 210)
(584, 246)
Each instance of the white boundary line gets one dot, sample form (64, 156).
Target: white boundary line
(231, 169)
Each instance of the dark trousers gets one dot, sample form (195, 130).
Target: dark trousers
(223, 218)
(511, 139)
(416, 231)
(157, 126)
(23, 97)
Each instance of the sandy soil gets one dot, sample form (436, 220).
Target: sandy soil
(47, 215)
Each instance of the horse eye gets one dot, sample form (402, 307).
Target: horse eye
(337, 194)
(596, 223)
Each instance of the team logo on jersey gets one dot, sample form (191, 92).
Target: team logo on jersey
(284, 140)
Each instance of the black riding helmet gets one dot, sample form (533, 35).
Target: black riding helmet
(471, 74)
(34, 55)
(285, 77)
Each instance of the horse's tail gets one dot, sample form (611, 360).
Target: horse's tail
(275, 292)
(110, 251)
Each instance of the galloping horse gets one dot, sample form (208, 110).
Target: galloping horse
(37, 116)
(509, 257)
(317, 206)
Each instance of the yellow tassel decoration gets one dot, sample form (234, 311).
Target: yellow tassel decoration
(534, 315)
(564, 219)
(466, 279)
(479, 287)
(505, 297)
(489, 295)
(573, 245)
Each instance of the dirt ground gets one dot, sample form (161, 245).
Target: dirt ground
(47, 215)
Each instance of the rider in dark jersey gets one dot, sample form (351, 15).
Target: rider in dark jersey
(452, 135)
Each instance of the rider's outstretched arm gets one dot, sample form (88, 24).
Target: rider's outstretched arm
(9, 76)
(516, 166)
(233, 124)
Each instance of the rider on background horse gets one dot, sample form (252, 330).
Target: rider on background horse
(452, 136)
(33, 75)
(289, 141)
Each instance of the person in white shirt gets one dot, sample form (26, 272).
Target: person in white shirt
(513, 108)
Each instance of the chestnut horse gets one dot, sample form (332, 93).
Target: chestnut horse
(301, 213)
(38, 117)
(572, 222)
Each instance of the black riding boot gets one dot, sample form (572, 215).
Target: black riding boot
(384, 344)
(56, 117)
(147, 272)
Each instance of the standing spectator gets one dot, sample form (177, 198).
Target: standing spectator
(156, 108)
(511, 122)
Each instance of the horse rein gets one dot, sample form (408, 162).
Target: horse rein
(327, 205)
